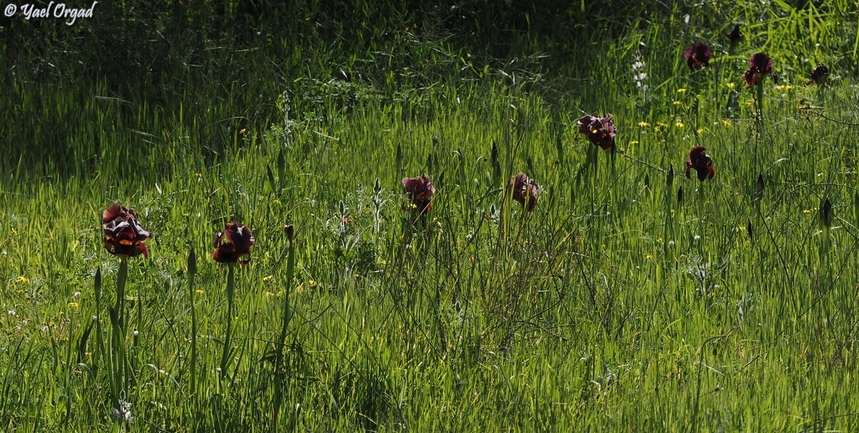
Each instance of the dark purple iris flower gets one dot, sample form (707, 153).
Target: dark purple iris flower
(819, 75)
(600, 130)
(760, 65)
(420, 190)
(524, 191)
(735, 36)
(698, 56)
(701, 163)
(123, 235)
(233, 244)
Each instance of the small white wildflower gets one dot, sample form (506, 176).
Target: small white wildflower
(697, 238)
(77, 294)
(123, 413)
(671, 243)
(12, 313)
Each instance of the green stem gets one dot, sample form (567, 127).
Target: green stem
(139, 325)
(122, 276)
(287, 316)
(192, 271)
(231, 288)
(759, 119)
(103, 354)
(117, 357)
(702, 226)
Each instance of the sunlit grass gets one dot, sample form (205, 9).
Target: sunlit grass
(615, 305)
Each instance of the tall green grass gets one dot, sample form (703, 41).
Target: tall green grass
(614, 306)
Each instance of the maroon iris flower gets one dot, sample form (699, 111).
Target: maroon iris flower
(420, 190)
(735, 35)
(600, 130)
(233, 244)
(701, 162)
(759, 66)
(123, 235)
(698, 56)
(524, 191)
(819, 75)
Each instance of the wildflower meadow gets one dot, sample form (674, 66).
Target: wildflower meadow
(458, 217)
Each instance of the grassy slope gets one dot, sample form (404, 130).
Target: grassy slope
(613, 307)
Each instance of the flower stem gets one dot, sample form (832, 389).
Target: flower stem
(117, 360)
(192, 272)
(122, 276)
(287, 317)
(759, 118)
(231, 288)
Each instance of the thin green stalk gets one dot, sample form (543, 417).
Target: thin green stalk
(99, 334)
(759, 118)
(231, 288)
(117, 365)
(192, 272)
(121, 277)
(286, 318)
(139, 324)
(116, 358)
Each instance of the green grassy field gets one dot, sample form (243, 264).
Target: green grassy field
(632, 298)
